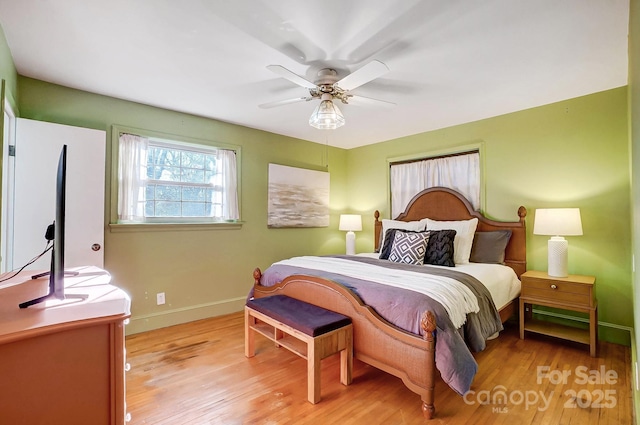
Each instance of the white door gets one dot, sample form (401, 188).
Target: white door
(38, 146)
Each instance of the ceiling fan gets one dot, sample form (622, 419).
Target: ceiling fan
(328, 87)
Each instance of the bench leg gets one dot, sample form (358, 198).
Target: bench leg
(346, 359)
(249, 334)
(277, 334)
(313, 373)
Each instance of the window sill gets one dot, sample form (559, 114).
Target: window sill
(163, 227)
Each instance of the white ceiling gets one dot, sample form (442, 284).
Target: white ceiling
(450, 61)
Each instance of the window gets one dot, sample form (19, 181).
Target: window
(169, 181)
(460, 171)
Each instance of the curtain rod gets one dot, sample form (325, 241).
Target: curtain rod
(426, 158)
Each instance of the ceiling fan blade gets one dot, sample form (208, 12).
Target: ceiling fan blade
(356, 100)
(370, 71)
(291, 76)
(269, 105)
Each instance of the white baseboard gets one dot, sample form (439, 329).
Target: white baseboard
(177, 316)
(582, 319)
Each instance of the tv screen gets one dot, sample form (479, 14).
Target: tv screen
(57, 272)
(56, 277)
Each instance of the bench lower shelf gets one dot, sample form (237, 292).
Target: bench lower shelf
(287, 341)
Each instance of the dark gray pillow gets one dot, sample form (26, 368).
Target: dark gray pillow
(440, 248)
(488, 247)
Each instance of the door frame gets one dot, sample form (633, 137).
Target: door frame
(8, 188)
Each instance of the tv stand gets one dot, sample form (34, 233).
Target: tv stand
(47, 273)
(51, 295)
(81, 297)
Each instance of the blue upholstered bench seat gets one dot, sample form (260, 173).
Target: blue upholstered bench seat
(307, 318)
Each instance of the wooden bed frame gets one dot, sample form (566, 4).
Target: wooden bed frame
(376, 341)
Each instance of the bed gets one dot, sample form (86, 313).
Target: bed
(380, 341)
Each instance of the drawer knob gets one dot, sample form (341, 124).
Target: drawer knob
(554, 287)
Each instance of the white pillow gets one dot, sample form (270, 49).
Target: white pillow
(465, 229)
(416, 226)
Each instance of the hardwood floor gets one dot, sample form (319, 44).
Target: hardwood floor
(197, 373)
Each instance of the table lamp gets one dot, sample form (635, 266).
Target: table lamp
(351, 223)
(557, 223)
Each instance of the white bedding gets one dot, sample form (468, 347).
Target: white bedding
(455, 297)
(501, 281)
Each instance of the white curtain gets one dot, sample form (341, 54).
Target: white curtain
(132, 173)
(227, 160)
(458, 172)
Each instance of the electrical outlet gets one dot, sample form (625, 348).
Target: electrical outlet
(160, 298)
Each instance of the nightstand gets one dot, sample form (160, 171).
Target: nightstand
(575, 293)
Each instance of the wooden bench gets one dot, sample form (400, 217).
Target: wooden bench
(309, 331)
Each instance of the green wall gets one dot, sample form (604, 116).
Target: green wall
(634, 139)
(8, 72)
(203, 272)
(568, 154)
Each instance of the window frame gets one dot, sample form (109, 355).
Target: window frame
(170, 223)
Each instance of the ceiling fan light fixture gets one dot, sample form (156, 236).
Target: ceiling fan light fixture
(327, 116)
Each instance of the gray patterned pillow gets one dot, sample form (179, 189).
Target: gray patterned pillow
(385, 249)
(409, 247)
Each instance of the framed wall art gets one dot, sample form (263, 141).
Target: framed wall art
(297, 197)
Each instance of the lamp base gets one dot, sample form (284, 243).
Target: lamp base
(558, 248)
(351, 243)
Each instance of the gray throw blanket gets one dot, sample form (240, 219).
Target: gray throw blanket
(404, 308)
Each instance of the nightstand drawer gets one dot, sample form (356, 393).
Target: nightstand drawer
(565, 292)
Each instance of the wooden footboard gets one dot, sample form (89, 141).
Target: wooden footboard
(376, 341)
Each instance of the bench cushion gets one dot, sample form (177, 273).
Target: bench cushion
(307, 318)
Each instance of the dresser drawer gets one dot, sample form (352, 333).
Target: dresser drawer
(557, 291)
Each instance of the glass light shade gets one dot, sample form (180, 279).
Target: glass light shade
(558, 222)
(326, 116)
(350, 222)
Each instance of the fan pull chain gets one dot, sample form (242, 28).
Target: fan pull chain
(326, 153)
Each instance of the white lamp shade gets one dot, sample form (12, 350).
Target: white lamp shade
(558, 222)
(350, 222)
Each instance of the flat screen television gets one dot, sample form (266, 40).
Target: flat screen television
(57, 272)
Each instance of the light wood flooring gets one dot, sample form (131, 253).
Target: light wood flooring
(197, 374)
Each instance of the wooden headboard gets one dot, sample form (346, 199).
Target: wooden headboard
(441, 203)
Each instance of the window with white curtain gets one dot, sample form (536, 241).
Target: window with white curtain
(460, 172)
(169, 181)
